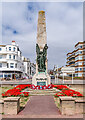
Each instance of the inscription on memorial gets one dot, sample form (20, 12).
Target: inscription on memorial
(41, 83)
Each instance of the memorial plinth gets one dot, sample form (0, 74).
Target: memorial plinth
(41, 77)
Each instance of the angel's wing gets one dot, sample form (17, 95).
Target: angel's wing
(37, 49)
(45, 49)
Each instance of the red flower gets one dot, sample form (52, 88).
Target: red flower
(16, 91)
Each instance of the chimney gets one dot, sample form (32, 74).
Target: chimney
(13, 42)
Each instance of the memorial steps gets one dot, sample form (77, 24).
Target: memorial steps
(41, 92)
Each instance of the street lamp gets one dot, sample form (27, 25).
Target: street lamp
(55, 73)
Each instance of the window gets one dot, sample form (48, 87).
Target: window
(0, 56)
(80, 57)
(13, 48)
(80, 46)
(76, 63)
(76, 69)
(1, 75)
(7, 65)
(84, 46)
(79, 69)
(5, 75)
(76, 75)
(84, 69)
(84, 57)
(9, 48)
(79, 63)
(84, 74)
(16, 65)
(80, 52)
(11, 65)
(79, 74)
(0, 65)
(0, 49)
(13, 56)
(9, 56)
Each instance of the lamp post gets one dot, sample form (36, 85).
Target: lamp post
(55, 73)
(72, 77)
(63, 77)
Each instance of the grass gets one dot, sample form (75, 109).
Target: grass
(23, 101)
(57, 102)
(4, 89)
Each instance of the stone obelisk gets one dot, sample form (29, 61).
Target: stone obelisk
(41, 77)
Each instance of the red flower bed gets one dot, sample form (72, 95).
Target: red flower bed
(60, 87)
(71, 92)
(65, 91)
(16, 91)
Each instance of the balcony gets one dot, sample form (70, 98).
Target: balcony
(10, 69)
(8, 52)
(70, 56)
(73, 60)
(3, 60)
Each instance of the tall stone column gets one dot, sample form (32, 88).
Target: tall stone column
(41, 76)
(41, 33)
(41, 30)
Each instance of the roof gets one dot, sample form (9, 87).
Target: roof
(2, 45)
(79, 43)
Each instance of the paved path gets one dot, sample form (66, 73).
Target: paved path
(40, 105)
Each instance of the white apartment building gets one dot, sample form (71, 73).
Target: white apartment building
(11, 64)
(33, 69)
(30, 68)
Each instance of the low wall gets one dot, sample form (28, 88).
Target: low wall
(79, 106)
(1, 106)
(67, 105)
(11, 105)
(71, 106)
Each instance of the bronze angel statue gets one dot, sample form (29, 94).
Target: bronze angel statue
(41, 58)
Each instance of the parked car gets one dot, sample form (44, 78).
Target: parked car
(7, 78)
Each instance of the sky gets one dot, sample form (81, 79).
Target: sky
(64, 27)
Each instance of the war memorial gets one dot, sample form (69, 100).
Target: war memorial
(41, 77)
(39, 98)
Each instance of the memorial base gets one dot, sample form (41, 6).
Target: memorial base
(41, 79)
